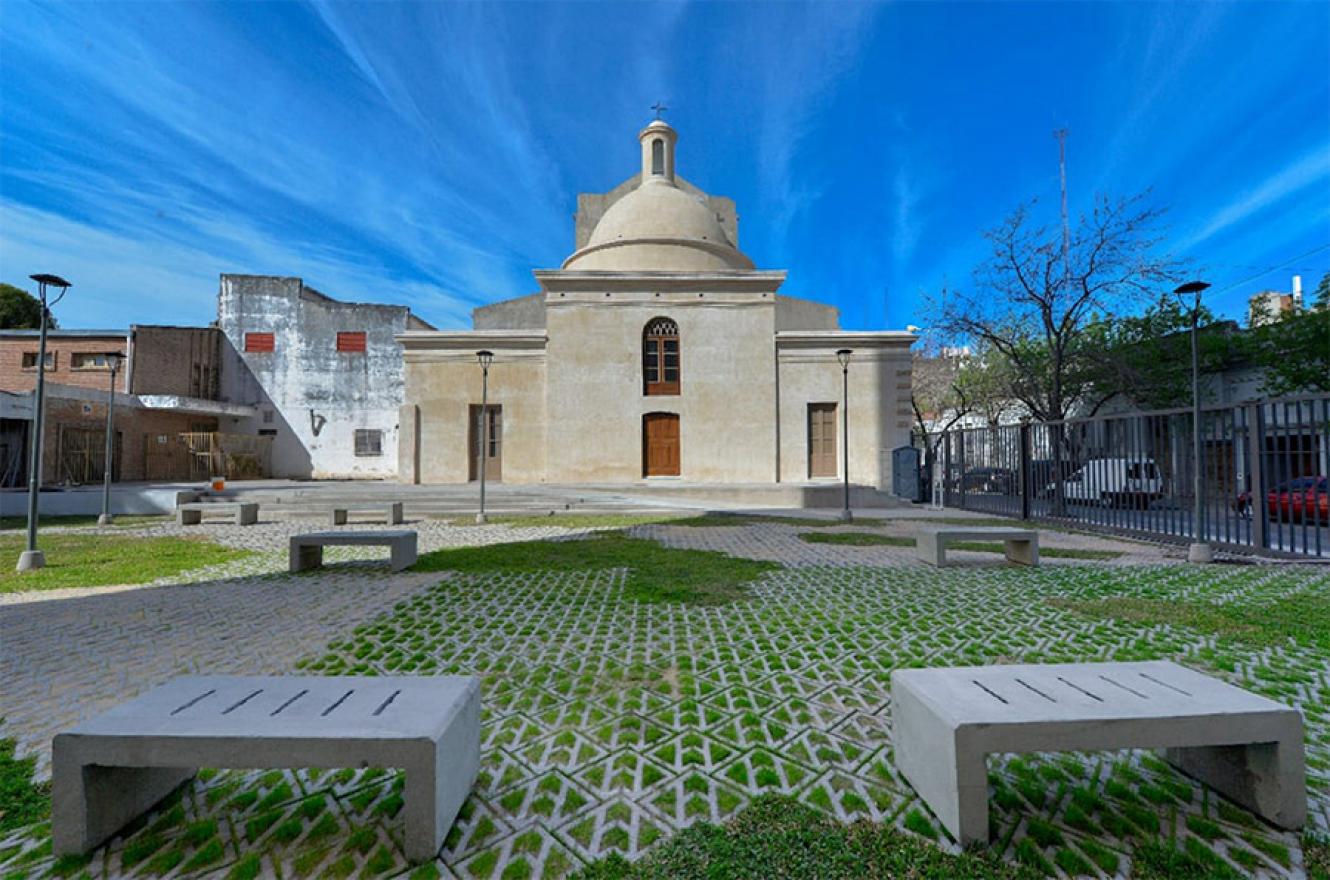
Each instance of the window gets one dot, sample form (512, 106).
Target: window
(658, 156)
(259, 342)
(30, 361)
(351, 342)
(369, 441)
(660, 357)
(86, 360)
(267, 416)
(267, 432)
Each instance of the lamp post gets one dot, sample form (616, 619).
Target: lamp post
(484, 357)
(843, 355)
(32, 558)
(1200, 550)
(113, 362)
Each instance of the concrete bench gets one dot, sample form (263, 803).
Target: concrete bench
(392, 513)
(108, 771)
(946, 721)
(244, 513)
(307, 550)
(1020, 545)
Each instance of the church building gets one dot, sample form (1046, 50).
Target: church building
(657, 353)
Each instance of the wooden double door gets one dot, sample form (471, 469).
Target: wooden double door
(822, 453)
(491, 430)
(660, 445)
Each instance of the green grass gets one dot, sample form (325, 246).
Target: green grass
(1050, 552)
(22, 801)
(96, 560)
(776, 836)
(21, 522)
(856, 539)
(1303, 617)
(655, 573)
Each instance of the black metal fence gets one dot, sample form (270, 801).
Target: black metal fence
(1264, 469)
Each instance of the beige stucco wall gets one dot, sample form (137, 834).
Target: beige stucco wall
(726, 404)
(443, 384)
(810, 373)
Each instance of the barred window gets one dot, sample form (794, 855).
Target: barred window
(369, 441)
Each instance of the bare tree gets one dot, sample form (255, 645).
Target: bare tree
(1031, 303)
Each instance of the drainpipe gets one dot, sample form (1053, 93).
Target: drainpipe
(129, 359)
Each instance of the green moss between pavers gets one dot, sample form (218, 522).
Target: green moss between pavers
(655, 573)
(776, 836)
(98, 560)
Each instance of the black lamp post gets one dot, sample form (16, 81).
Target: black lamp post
(843, 355)
(32, 558)
(484, 357)
(113, 363)
(1200, 550)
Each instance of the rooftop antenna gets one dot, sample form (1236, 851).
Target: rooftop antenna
(1061, 135)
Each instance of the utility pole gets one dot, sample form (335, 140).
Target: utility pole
(1061, 135)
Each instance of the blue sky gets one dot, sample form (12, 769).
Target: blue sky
(430, 153)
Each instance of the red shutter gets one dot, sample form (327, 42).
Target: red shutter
(352, 342)
(259, 342)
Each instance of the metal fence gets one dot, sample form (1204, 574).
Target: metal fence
(1264, 468)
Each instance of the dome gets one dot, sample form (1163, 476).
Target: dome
(659, 226)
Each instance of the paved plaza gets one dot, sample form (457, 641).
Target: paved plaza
(609, 725)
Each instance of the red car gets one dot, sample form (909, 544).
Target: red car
(1306, 498)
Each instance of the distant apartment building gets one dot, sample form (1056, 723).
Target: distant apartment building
(1270, 306)
(326, 377)
(168, 410)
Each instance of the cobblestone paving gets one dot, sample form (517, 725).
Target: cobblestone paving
(781, 543)
(609, 725)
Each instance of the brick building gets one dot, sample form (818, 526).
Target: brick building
(168, 411)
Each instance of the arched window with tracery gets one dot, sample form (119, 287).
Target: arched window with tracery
(660, 357)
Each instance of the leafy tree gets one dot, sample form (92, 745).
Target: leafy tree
(1146, 358)
(1034, 309)
(20, 310)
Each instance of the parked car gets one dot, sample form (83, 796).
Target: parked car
(1113, 482)
(1298, 500)
(1001, 481)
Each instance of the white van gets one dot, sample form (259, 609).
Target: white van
(1113, 482)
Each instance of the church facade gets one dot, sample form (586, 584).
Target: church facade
(656, 352)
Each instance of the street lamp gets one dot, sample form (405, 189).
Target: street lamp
(843, 355)
(484, 357)
(1200, 550)
(32, 558)
(113, 362)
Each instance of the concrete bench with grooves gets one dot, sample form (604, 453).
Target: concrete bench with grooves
(1019, 545)
(307, 549)
(947, 720)
(391, 513)
(109, 770)
(242, 513)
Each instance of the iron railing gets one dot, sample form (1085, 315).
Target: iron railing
(1264, 468)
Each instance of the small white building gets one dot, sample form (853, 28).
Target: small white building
(656, 352)
(325, 375)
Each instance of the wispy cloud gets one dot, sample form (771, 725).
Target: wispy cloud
(1311, 170)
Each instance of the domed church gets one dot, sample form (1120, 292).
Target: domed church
(656, 354)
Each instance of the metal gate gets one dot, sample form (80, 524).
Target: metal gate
(1264, 468)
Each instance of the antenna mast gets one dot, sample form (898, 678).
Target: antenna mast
(1061, 135)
